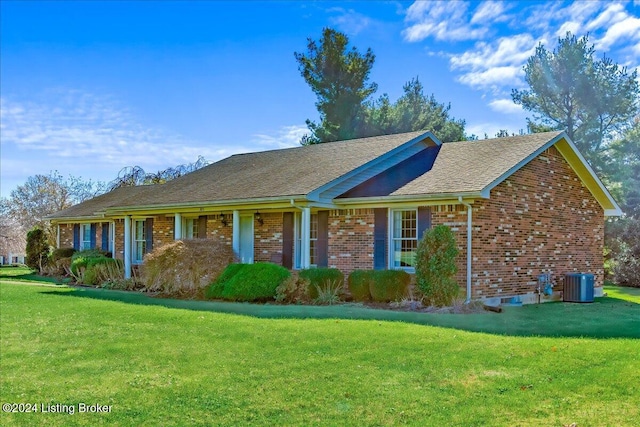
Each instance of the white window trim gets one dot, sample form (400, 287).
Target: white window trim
(135, 240)
(82, 241)
(391, 240)
(297, 241)
(185, 227)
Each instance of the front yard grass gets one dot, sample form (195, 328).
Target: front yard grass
(169, 362)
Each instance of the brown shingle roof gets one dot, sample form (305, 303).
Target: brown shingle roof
(277, 173)
(470, 166)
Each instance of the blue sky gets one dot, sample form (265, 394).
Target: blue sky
(87, 88)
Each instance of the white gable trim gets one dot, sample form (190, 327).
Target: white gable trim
(580, 166)
(329, 191)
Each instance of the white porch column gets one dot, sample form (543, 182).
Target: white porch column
(58, 236)
(177, 227)
(127, 247)
(236, 232)
(305, 238)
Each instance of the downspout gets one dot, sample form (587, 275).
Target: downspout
(469, 241)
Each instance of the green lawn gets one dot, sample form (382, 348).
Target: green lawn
(168, 362)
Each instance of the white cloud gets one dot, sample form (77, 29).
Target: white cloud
(492, 65)
(626, 29)
(349, 21)
(285, 137)
(94, 137)
(505, 106)
(490, 11)
(441, 20)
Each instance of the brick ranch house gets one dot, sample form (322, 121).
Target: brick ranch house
(518, 206)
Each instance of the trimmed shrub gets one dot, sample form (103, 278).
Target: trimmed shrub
(249, 282)
(293, 290)
(184, 268)
(60, 253)
(388, 285)
(37, 251)
(321, 277)
(359, 282)
(378, 285)
(215, 289)
(436, 266)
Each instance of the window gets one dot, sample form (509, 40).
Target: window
(313, 239)
(404, 238)
(139, 241)
(85, 237)
(190, 228)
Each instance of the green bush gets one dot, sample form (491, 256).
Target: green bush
(215, 289)
(359, 283)
(37, 251)
(378, 285)
(389, 285)
(60, 253)
(321, 277)
(81, 259)
(436, 266)
(249, 282)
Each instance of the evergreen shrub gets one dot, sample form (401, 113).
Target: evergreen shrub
(249, 282)
(436, 266)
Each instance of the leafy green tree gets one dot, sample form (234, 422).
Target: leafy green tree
(413, 111)
(592, 100)
(37, 249)
(339, 77)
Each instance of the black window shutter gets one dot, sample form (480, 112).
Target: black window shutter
(76, 236)
(322, 244)
(380, 238)
(148, 224)
(424, 220)
(105, 236)
(92, 239)
(287, 240)
(202, 227)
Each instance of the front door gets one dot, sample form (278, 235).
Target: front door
(246, 239)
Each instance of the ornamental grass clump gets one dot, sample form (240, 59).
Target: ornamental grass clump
(321, 278)
(184, 268)
(436, 266)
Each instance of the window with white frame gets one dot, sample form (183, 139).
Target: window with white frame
(313, 239)
(139, 241)
(190, 228)
(85, 237)
(404, 238)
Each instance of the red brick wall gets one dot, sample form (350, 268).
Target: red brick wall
(162, 230)
(66, 235)
(118, 250)
(217, 230)
(351, 239)
(267, 237)
(540, 219)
